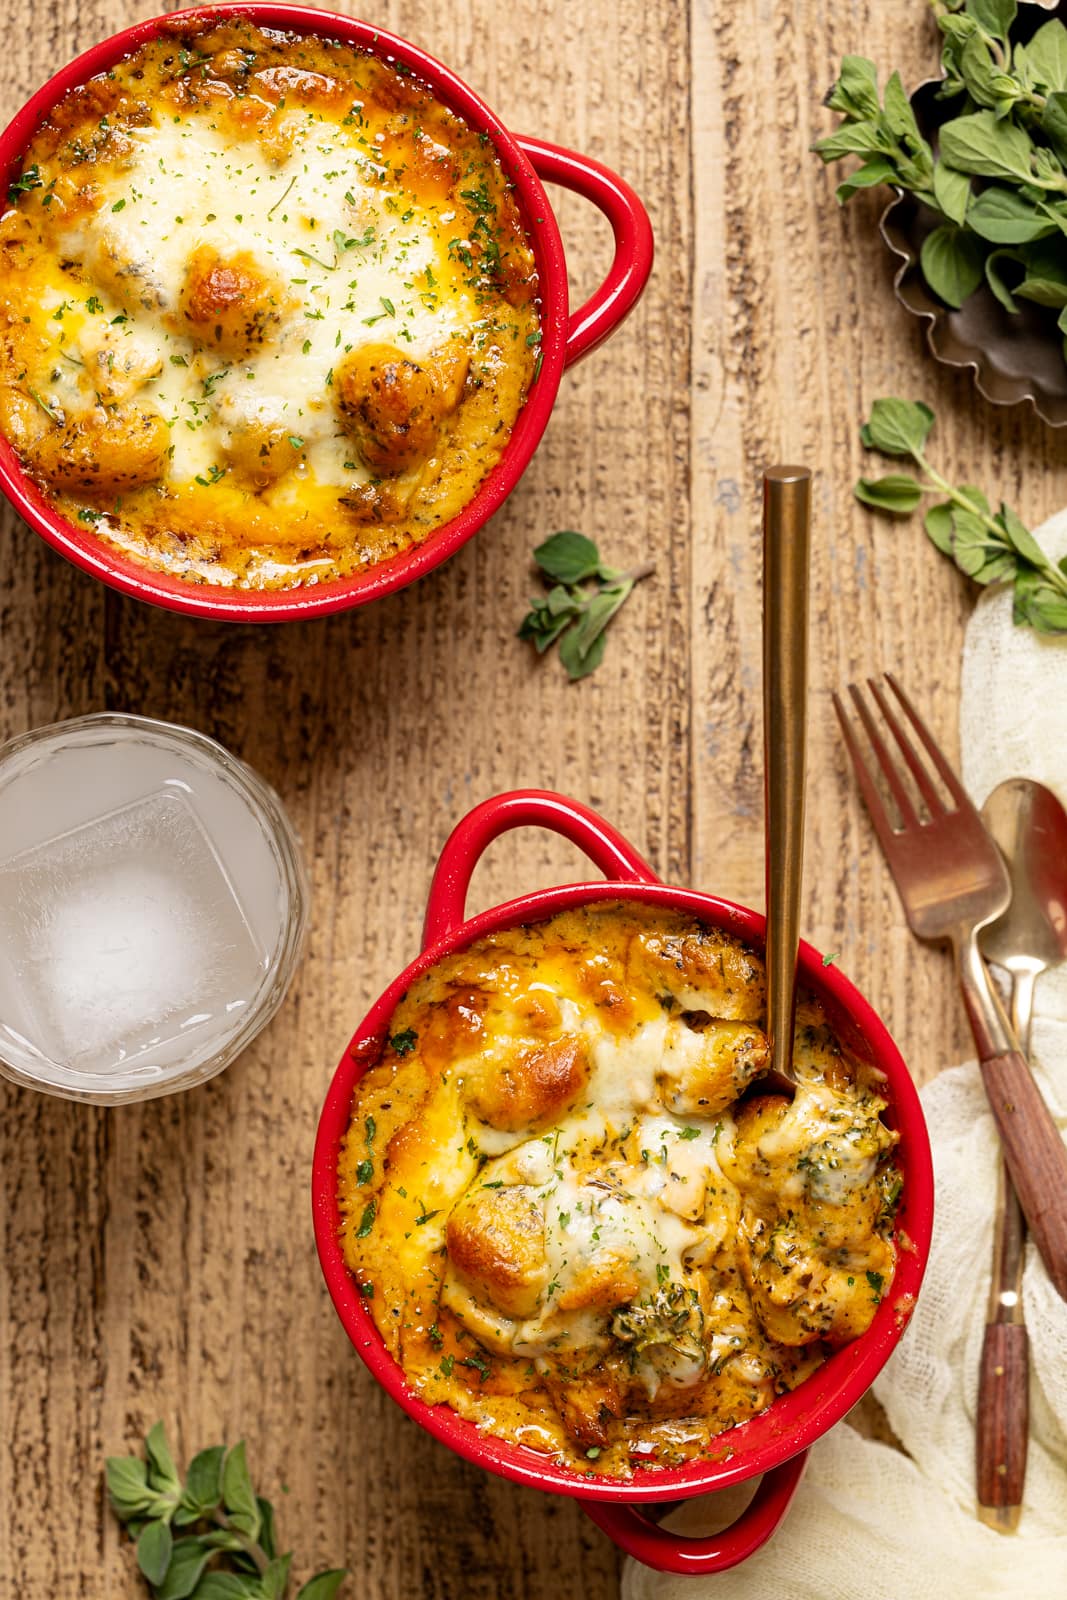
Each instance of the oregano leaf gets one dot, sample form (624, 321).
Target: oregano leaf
(237, 1493)
(952, 190)
(275, 1580)
(1005, 217)
(873, 172)
(127, 1485)
(856, 91)
(977, 70)
(994, 264)
(852, 138)
(324, 1585)
(1046, 56)
(568, 557)
(895, 493)
(952, 262)
(980, 144)
(938, 525)
(154, 1548)
(1044, 292)
(162, 1473)
(1022, 540)
(203, 1481)
(897, 427)
(1054, 122)
(188, 1560)
(995, 16)
(578, 661)
(229, 1586)
(266, 1527)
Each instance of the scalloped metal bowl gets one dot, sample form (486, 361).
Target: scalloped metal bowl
(1014, 358)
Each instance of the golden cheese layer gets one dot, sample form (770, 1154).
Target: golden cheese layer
(267, 313)
(566, 1221)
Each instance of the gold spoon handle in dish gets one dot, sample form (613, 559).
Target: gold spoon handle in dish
(786, 540)
(1002, 1426)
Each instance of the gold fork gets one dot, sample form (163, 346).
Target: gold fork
(952, 881)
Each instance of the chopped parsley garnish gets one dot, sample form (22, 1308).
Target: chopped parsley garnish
(405, 1041)
(29, 179)
(366, 1221)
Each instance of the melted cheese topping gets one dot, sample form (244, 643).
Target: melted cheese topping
(268, 314)
(568, 1223)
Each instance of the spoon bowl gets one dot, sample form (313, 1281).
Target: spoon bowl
(1030, 827)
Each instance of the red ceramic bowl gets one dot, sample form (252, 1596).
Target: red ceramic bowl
(773, 1444)
(566, 335)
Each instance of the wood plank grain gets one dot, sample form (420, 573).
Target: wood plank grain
(160, 1257)
(157, 1261)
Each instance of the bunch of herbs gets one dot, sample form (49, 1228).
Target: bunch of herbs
(998, 179)
(583, 597)
(989, 546)
(209, 1538)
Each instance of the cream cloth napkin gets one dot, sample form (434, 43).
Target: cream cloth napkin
(868, 1521)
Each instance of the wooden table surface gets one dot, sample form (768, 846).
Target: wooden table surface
(157, 1261)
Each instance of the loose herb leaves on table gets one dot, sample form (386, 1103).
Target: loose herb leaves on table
(211, 1538)
(583, 597)
(989, 546)
(998, 181)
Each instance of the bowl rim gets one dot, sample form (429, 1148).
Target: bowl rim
(795, 1419)
(221, 603)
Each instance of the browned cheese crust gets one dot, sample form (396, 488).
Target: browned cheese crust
(268, 313)
(569, 1220)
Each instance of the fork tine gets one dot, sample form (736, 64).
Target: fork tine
(948, 777)
(868, 788)
(907, 750)
(889, 768)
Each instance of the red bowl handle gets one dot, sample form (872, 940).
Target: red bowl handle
(628, 273)
(522, 808)
(674, 1552)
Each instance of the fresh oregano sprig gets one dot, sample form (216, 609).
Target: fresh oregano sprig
(225, 1549)
(989, 546)
(583, 597)
(998, 181)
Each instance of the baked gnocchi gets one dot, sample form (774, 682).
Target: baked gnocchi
(574, 1216)
(267, 310)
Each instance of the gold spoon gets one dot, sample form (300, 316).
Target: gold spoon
(1030, 826)
(786, 539)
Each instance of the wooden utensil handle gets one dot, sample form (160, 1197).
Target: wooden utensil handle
(1036, 1157)
(1003, 1414)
